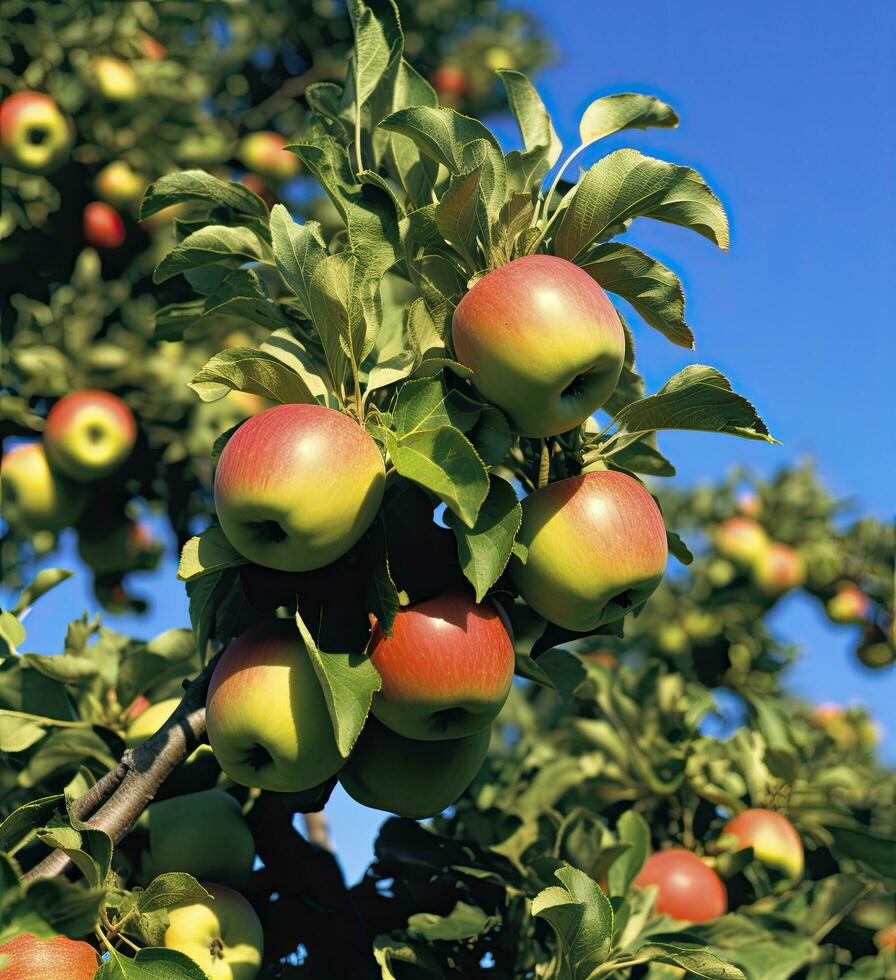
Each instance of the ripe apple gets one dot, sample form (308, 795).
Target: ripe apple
(102, 226)
(59, 958)
(223, 935)
(689, 890)
(34, 134)
(34, 498)
(741, 539)
(115, 79)
(446, 669)
(543, 342)
(203, 834)
(257, 184)
(297, 485)
(451, 84)
(119, 184)
(778, 569)
(773, 838)
(263, 152)
(268, 723)
(885, 939)
(597, 549)
(849, 604)
(150, 47)
(89, 435)
(378, 770)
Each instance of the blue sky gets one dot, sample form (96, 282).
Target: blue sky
(787, 111)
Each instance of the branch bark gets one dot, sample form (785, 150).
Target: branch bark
(125, 792)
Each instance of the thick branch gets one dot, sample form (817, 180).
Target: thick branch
(125, 792)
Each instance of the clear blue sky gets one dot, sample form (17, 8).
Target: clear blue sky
(787, 111)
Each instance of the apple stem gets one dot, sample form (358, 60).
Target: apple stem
(544, 466)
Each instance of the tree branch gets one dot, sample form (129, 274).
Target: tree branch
(317, 830)
(125, 792)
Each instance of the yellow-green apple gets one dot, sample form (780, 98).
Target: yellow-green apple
(377, 772)
(849, 604)
(115, 79)
(446, 668)
(102, 226)
(263, 152)
(688, 889)
(34, 498)
(59, 958)
(297, 485)
(34, 134)
(773, 838)
(778, 569)
(672, 639)
(543, 342)
(223, 935)
(268, 723)
(597, 549)
(119, 184)
(720, 572)
(741, 539)
(876, 655)
(89, 435)
(203, 834)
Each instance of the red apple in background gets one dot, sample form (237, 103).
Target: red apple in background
(115, 79)
(377, 772)
(741, 539)
(34, 498)
(89, 435)
(773, 838)
(446, 669)
(849, 604)
(103, 226)
(34, 134)
(779, 569)
(597, 549)
(257, 184)
(151, 48)
(451, 84)
(688, 889)
(263, 152)
(297, 485)
(59, 958)
(543, 342)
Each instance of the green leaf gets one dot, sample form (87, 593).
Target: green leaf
(542, 145)
(46, 579)
(632, 829)
(18, 733)
(696, 959)
(698, 398)
(167, 890)
(214, 245)
(462, 922)
(197, 185)
(12, 634)
(652, 289)
(242, 294)
(297, 251)
(338, 313)
(252, 370)
(625, 110)
(206, 553)
(392, 954)
(382, 594)
(66, 668)
(348, 681)
(485, 548)
(67, 906)
(206, 591)
(20, 826)
(458, 215)
(626, 184)
(372, 52)
(879, 853)
(677, 548)
(151, 963)
(292, 352)
(427, 404)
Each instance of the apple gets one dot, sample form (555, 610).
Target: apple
(102, 226)
(34, 134)
(749, 503)
(451, 84)
(543, 342)
(34, 497)
(876, 655)
(268, 723)
(150, 47)
(672, 639)
(778, 569)
(885, 939)
(597, 549)
(263, 152)
(89, 435)
(688, 889)
(377, 772)
(123, 549)
(222, 935)
(59, 958)
(118, 184)
(826, 712)
(741, 539)
(203, 834)
(258, 185)
(297, 485)
(773, 838)
(115, 79)
(446, 668)
(849, 604)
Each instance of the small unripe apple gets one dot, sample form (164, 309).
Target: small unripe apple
(115, 79)
(597, 549)
(297, 485)
(849, 604)
(876, 655)
(268, 723)
(779, 569)
(34, 497)
(688, 889)
(720, 572)
(672, 639)
(222, 935)
(34, 134)
(741, 539)
(89, 435)
(59, 958)
(377, 772)
(773, 838)
(446, 668)
(543, 342)
(102, 226)
(119, 184)
(263, 152)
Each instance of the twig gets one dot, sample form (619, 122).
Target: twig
(317, 830)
